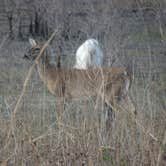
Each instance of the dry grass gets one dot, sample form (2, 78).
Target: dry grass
(77, 138)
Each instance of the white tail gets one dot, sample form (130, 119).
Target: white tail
(89, 54)
(32, 42)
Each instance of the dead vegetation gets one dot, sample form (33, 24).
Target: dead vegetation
(36, 136)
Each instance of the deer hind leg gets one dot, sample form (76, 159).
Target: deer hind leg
(124, 100)
(127, 104)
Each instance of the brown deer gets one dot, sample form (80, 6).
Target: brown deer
(111, 84)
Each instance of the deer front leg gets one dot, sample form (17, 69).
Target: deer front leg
(110, 108)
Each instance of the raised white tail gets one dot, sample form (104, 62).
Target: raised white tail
(89, 54)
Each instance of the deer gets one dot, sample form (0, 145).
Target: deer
(110, 84)
(89, 54)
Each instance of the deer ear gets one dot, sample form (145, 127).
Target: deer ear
(32, 42)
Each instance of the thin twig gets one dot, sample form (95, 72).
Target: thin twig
(36, 153)
(15, 111)
(30, 73)
(161, 149)
(144, 130)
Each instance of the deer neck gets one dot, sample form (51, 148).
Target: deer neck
(51, 76)
(44, 68)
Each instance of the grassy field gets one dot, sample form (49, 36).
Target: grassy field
(129, 32)
(39, 137)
